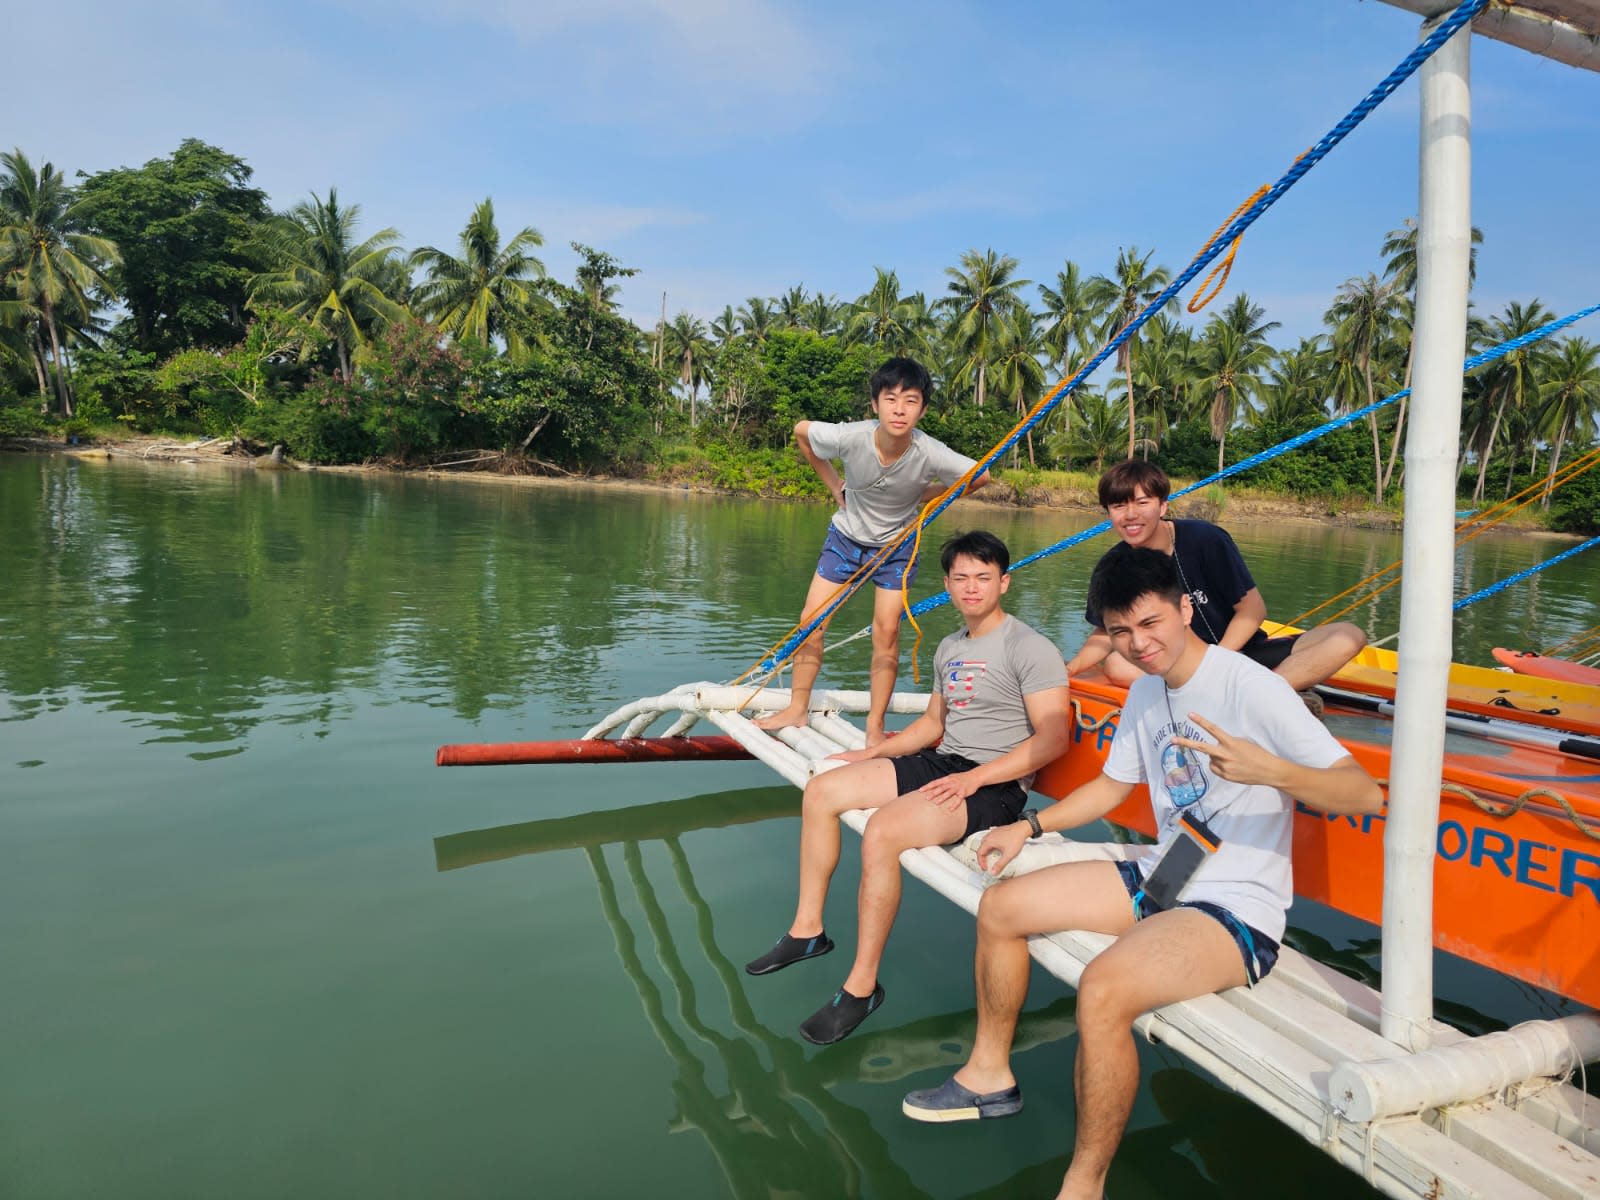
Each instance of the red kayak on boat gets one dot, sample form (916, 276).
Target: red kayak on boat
(1530, 662)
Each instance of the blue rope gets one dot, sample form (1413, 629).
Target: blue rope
(1294, 443)
(1385, 88)
(1493, 588)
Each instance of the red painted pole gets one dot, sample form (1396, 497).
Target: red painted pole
(591, 750)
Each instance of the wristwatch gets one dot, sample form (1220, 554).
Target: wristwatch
(1031, 816)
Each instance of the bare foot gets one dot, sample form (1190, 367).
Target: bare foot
(793, 717)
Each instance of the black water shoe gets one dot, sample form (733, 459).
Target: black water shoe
(837, 1019)
(789, 950)
(952, 1101)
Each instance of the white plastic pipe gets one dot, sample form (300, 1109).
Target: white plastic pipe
(1481, 1066)
(1444, 240)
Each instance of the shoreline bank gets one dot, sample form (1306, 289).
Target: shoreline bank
(1237, 504)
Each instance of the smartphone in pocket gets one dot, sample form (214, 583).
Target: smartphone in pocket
(1194, 844)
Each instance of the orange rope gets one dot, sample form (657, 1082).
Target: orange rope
(1471, 527)
(1224, 265)
(1575, 642)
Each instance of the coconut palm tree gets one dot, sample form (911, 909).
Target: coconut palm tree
(1019, 373)
(983, 289)
(1571, 396)
(1363, 318)
(1511, 380)
(47, 261)
(725, 326)
(1232, 359)
(1132, 285)
(1099, 430)
(1296, 386)
(1071, 318)
(757, 318)
(690, 354)
(1165, 375)
(881, 316)
(325, 276)
(469, 297)
(1399, 250)
(791, 308)
(823, 315)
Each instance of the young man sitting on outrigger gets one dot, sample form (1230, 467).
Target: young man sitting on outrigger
(997, 714)
(891, 469)
(1228, 608)
(1226, 751)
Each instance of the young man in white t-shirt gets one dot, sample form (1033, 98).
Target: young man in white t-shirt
(1215, 736)
(891, 469)
(997, 714)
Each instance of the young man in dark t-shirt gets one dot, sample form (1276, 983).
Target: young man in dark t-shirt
(1228, 608)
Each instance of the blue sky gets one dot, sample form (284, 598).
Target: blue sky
(734, 149)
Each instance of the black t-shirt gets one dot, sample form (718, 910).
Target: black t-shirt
(1214, 575)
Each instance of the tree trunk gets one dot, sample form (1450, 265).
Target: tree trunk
(55, 352)
(1555, 461)
(983, 370)
(1372, 420)
(1511, 469)
(1131, 432)
(1488, 451)
(1399, 428)
(39, 371)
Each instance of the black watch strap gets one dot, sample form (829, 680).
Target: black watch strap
(1031, 816)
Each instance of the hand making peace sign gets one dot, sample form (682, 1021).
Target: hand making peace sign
(1236, 759)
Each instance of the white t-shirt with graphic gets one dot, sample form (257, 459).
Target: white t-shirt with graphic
(879, 500)
(984, 681)
(1251, 875)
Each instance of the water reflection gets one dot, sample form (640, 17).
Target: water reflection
(772, 1122)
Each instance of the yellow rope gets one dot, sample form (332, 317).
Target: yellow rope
(1573, 643)
(1471, 527)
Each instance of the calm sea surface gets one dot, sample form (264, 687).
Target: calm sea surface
(256, 945)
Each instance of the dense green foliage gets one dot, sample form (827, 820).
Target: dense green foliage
(188, 229)
(303, 328)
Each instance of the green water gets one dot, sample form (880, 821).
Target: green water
(256, 945)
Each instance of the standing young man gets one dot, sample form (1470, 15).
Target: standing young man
(997, 714)
(1228, 608)
(1217, 738)
(891, 469)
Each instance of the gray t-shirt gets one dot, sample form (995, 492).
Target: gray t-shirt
(879, 500)
(983, 681)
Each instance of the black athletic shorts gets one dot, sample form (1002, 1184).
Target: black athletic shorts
(1270, 652)
(991, 805)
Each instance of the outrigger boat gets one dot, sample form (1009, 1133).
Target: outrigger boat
(1490, 844)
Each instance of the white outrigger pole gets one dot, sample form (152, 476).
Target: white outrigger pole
(1444, 247)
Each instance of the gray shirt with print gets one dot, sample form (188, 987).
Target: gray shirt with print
(983, 681)
(879, 500)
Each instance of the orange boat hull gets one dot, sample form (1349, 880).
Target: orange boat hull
(1519, 892)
